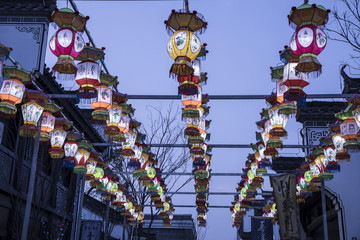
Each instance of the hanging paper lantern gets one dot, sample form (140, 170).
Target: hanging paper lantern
(12, 89)
(294, 81)
(81, 157)
(88, 73)
(32, 110)
(58, 136)
(71, 146)
(189, 83)
(278, 122)
(128, 145)
(115, 116)
(90, 169)
(348, 129)
(309, 40)
(48, 121)
(134, 162)
(101, 104)
(67, 43)
(339, 141)
(98, 173)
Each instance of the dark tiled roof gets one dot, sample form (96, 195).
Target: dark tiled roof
(282, 164)
(351, 85)
(319, 111)
(27, 7)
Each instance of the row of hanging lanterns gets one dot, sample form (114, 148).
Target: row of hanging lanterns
(186, 49)
(299, 60)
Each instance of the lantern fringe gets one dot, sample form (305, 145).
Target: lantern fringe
(63, 76)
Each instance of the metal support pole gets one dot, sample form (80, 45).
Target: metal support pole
(31, 183)
(323, 203)
(76, 204)
(80, 204)
(191, 174)
(107, 219)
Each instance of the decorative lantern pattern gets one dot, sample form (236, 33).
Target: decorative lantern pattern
(81, 157)
(71, 146)
(58, 136)
(101, 104)
(88, 73)
(309, 40)
(48, 121)
(13, 89)
(67, 43)
(32, 111)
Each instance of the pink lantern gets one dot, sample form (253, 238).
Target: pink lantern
(67, 43)
(309, 40)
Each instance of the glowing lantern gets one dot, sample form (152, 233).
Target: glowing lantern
(90, 169)
(348, 129)
(71, 146)
(309, 40)
(58, 136)
(32, 110)
(98, 173)
(88, 73)
(128, 145)
(339, 141)
(192, 100)
(115, 116)
(81, 157)
(134, 162)
(293, 80)
(101, 104)
(48, 121)
(184, 46)
(67, 43)
(12, 89)
(278, 122)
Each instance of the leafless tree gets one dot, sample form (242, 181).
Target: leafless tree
(164, 126)
(348, 26)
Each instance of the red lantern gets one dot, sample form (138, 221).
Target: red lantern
(67, 43)
(309, 40)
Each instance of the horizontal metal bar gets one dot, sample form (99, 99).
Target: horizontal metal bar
(209, 206)
(191, 174)
(211, 97)
(210, 145)
(210, 193)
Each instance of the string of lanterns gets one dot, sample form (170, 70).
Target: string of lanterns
(186, 49)
(110, 110)
(299, 61)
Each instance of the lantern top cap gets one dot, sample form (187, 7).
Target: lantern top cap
(183, 20)
(287, 56)
(308, 14)
(85, 145)
(90, 53)
(18, 73)
(119, 98)
(108, 79)
(73, 136)
(277, 73)
(63, 123)
(35, 96)
(4, 52)
(65, 17)
(52, 107)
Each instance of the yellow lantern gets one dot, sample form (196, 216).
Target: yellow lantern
(183, 47)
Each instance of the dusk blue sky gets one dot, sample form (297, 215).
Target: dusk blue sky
(243, 39)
